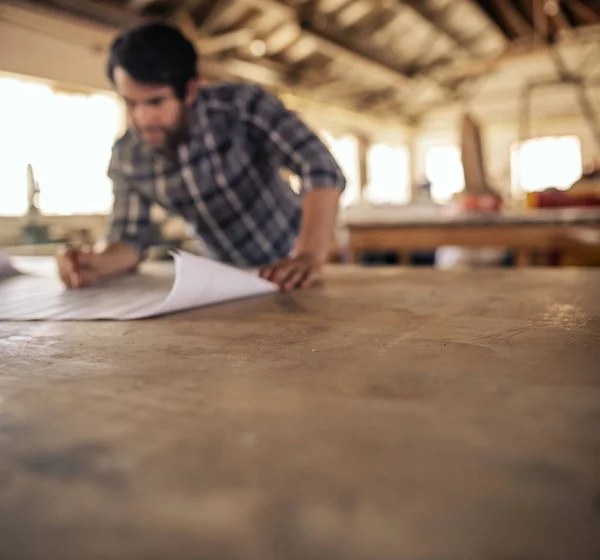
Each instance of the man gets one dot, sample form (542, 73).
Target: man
(213, 156)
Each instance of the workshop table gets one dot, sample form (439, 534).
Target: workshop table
(391, 413)
(543, 231)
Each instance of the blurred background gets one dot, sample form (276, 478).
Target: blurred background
(468, 131)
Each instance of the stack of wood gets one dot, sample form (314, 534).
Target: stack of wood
(478, 195)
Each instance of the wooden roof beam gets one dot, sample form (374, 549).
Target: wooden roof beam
(99, 11)
(282, 37)
(540, 21)
(554, 10)
(223, 14)
(476, 6)
(331, 47)
(215, 44)
(270, 76)
(142, 5)
(514, 19)
(436, 19)
(584, 12)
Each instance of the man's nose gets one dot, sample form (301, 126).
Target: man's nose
(144, 116)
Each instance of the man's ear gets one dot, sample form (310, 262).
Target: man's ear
(191, 91)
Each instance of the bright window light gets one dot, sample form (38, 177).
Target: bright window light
(389, 175)
(66, 137)
(549, 162)
(345, 151)
(444, 170)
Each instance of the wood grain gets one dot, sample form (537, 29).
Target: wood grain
(391, 413)
(522, 238)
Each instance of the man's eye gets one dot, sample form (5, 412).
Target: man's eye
(155, 102)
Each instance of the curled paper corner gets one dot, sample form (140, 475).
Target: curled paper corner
(197, 282)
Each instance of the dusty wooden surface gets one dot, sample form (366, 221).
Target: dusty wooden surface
(393, 414)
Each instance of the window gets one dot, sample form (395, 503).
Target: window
(541, 163)
(345, 151)
(388, 172)
(66, 137)
(444, 170)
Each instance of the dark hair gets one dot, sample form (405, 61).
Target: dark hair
(155, 53)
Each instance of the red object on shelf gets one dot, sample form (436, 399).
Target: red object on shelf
(559, 199)
(481, 203)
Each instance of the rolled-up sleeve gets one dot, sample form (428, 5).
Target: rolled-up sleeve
(129, 221)
(290, 141)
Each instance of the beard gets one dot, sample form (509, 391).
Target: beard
(163, 138)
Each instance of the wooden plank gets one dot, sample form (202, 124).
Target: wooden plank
(141, 5)
(559, 19)
(513, 18)
(390, 238)
(391, 413)
(224, 15)
(435, 16)
(332, 46)
(216, 44)
(584, 12)
(282, 37)
(540, 21)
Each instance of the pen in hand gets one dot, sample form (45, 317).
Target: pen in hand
(72, 255)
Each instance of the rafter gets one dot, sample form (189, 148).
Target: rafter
(339, 47)
(492, 23)
(584, 12)
(354, 13)
(141, 5)
(342, 87)
(56, 23)
(100, 12)
(513, 18)
(540, 20)
(216, 44)
(554, 10)
(332, 47)
(283, 36)
(436, 19)
(223, 14)
(377, 22)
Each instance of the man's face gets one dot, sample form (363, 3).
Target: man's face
(154, 111)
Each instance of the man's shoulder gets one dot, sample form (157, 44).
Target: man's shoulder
(231, 95)
(128, 153)
(124, 143)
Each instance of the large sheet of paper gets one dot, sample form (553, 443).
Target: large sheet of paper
(6, 268)
(195, 282)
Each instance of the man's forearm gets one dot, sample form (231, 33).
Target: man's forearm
(118, 257)
(318, 223)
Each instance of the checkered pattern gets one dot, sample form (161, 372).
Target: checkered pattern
(226, 181)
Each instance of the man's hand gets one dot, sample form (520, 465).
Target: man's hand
(301, 271)
(78, 268)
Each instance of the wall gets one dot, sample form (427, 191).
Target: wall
(30, 45)
(58, 226)
(496, 105)
(498, 137)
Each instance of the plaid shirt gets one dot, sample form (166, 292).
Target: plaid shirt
(226, 180)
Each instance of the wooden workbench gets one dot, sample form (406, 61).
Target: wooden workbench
(395, 413)
(541, 231)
